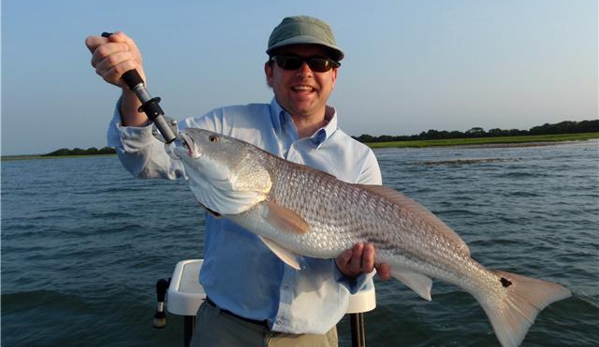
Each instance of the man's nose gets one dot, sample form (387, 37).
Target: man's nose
(304, 69)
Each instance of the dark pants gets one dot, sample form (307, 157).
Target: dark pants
(215, 328)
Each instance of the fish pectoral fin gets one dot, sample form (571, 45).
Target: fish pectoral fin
(284, 219)
(419, 283)
(287, 256)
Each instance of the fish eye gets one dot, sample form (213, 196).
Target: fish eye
(213, 138)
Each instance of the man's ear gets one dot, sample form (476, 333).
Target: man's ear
(334, 76)
(268, 71)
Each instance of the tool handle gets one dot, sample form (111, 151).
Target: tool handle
(132, 78)
(149, 105)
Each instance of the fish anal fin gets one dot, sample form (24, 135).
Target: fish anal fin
(419, 283)
(420, 211)
(287, 256)
(285, 219)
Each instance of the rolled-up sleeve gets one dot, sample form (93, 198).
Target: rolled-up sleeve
(140, 152)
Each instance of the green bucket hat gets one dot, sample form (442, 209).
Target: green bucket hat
(303, 30)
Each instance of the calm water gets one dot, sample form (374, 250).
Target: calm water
(83, 244)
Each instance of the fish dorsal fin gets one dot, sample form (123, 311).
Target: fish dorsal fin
(406, 203)
(419, 283)
(287, 256)
(284, 219)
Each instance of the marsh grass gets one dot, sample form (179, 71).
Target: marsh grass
(488, 141)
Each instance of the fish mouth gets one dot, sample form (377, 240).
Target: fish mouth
(184, 143)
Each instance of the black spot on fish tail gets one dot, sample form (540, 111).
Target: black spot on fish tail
(505, 282)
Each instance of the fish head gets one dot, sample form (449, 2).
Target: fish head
(226, 175)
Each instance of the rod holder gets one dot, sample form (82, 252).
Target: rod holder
(160, 316)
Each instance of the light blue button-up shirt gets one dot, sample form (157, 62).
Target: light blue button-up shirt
(240, 273)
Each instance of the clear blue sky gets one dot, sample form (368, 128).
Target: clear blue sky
(410, 66)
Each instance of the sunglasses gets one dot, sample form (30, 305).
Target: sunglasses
(294, 62)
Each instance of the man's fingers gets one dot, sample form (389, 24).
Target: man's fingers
(121, 61)
(368, 258)
(383, 271)
(355, 263)
(112, 67)
(92, 42)
(345, 257)
(114, 75)
(361, 259)
(120, 37)
(110, 51)
(113, 56)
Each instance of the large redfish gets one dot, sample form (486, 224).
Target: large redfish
(297, 210)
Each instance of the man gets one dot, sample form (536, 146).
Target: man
(253, 298)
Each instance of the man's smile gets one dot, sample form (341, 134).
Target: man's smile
(303, 88)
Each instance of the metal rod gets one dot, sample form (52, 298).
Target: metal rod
(358, 331)
(189, 323)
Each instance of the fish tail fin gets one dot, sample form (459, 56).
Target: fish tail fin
(514, 311)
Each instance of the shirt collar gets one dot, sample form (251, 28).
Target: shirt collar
(322, 134)
(279, 116)
(276, 115)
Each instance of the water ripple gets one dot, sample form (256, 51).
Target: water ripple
(83, 244)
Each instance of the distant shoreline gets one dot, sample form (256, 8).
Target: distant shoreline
(494, 142)
(488, 142)
(44, 156)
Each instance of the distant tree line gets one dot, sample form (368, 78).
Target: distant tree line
(79, 151)
(565, 127)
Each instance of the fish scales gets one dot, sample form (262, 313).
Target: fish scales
(341, 215)
(300, 210)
